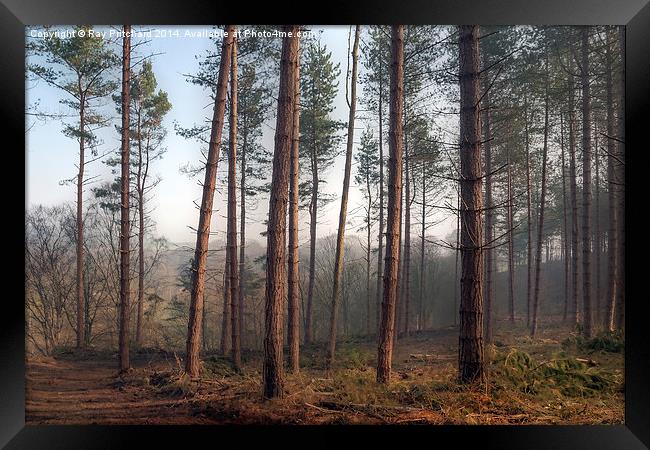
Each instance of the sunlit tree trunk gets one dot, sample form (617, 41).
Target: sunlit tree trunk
(380, 249)
(391, 267)
(192, 363)
(276, 272)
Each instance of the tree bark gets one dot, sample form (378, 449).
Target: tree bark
(529, 221)
(540, 224)
(391, 266)
(340, 237)
(242, 229)
(471, 363)
(380, 249)
(407, 238)
(489, 227)
(574, 202)
(80, 226)
(612, 234)
(192, 363)
(511, 256)
(586, 185)
(313, 213)
(620, 179)
(232, 215)
(422, 238)
(225, 316)
(565, 228)
(140, 192)
(125, 291)
(276, 272)
(293, 322)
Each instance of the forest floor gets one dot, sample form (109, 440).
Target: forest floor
(546, 380)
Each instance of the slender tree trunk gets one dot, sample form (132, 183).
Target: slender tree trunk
(510, 227)
(574, 202)
(140, 188)
(380, 249)
(471, 362)
(125, 291)
(586, 185)
(620, 190)
(489, 227)
(529, 221)
(225, 317)
(391, 267)
(612, 234)
(565, 228)
(293, 297)
(340, 237)
(368, 250)
(456, 280)
(540, 224)
(242, 229)
(232, 214)
(80, 226)
(313, 211)
(192, 363)
(407, 239)
(276, 272)
(422, 238)
(597, 234)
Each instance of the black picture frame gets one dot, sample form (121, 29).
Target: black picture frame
(634, 14)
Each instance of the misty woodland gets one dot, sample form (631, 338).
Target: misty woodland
(392, 225)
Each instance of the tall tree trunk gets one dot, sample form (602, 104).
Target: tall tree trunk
(378, 294)
(620, 180)
(573, 191)
(489, 227)
(232, 214)
(540, 224)
(407, 237)
(293, 297)
(276, 272)
(242, 229)
(368, 251)
(565, 228)
(471, 362)
(586, 185)
(125, 255)
(529, 220)
(192, 363)
(313, 212)
(140, 192)
(597, 234)
(456, 280)
(422, 238)
(340, 237)
(80, 226)
(391, 267)
(511, 255)
(612, 234)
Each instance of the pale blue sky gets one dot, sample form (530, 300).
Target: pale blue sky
(51, 157)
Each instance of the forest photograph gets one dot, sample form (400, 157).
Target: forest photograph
(324, 225)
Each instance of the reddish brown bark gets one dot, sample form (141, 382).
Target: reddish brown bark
(276, 273)
(192, 363)
(233, 293)
(293, 298)
(391, 266)
(125, 289)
